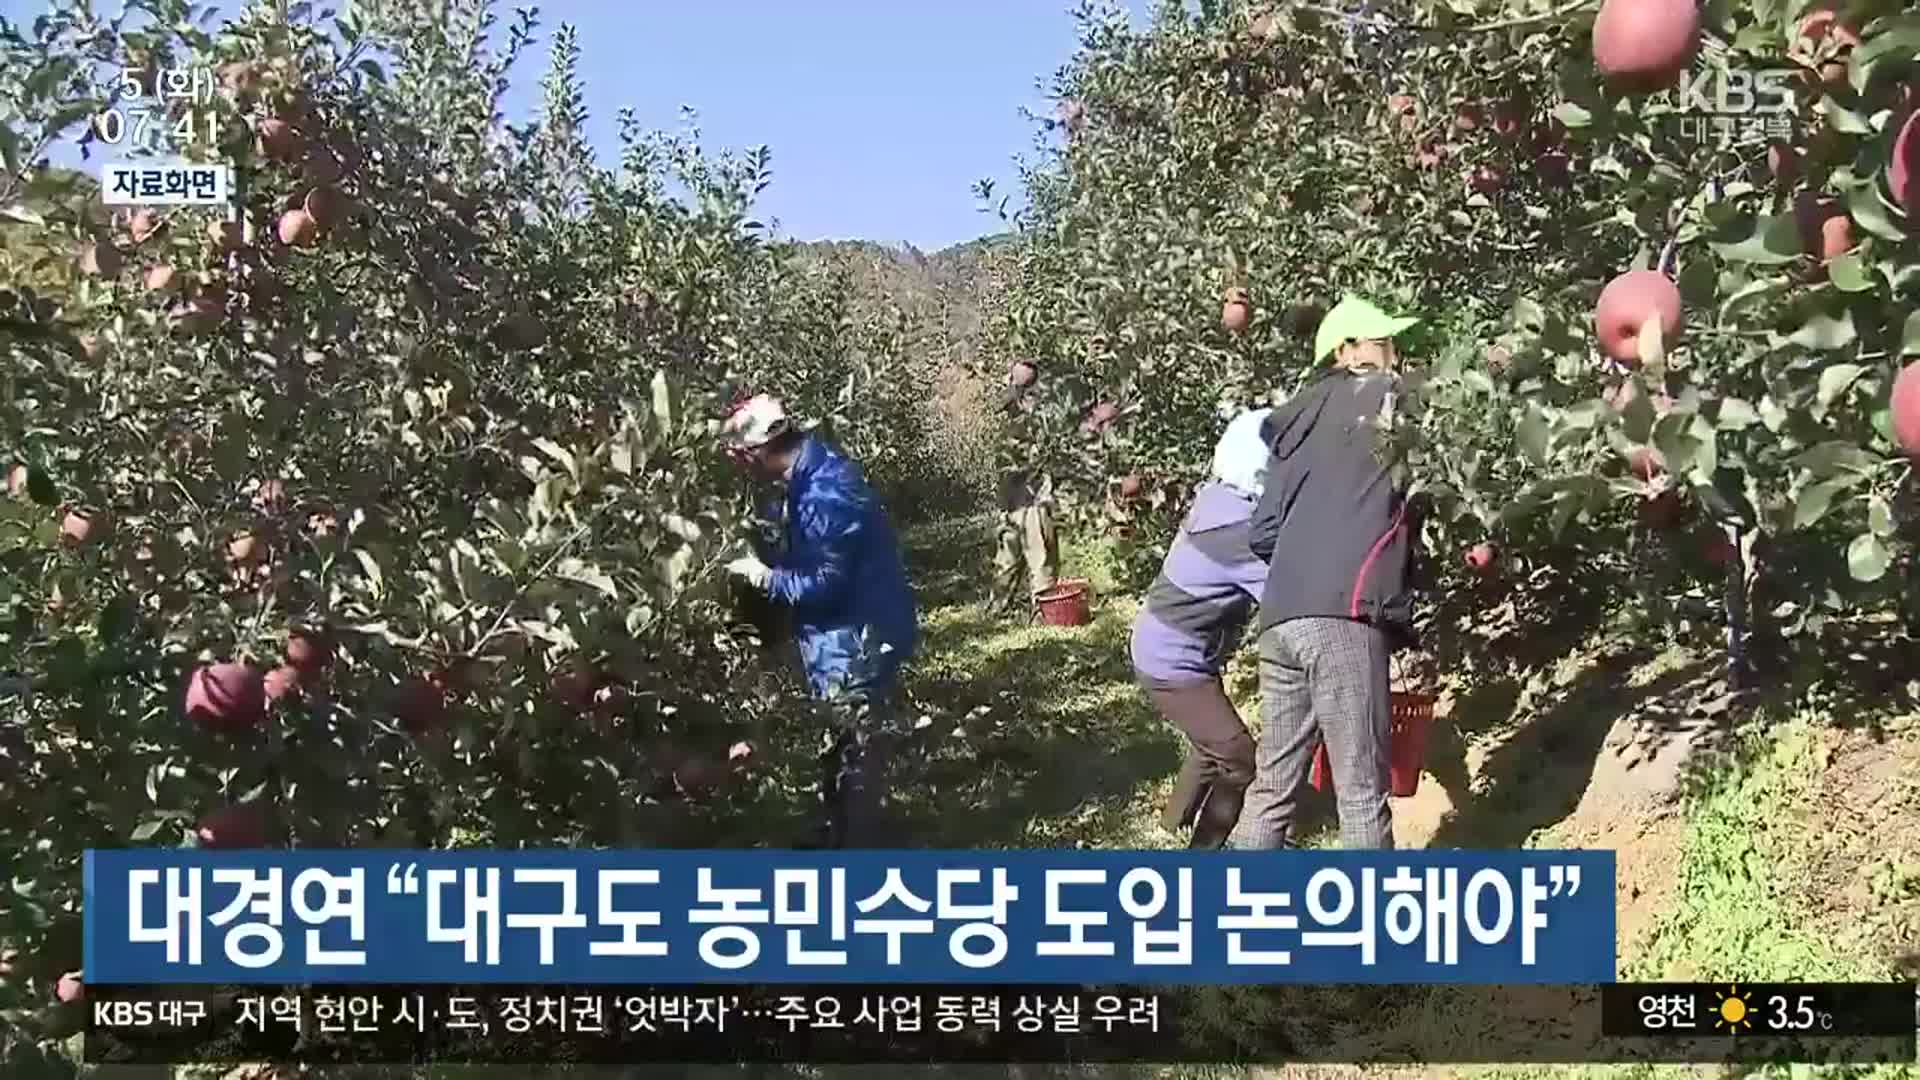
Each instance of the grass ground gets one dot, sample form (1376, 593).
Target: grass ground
(1791, 851)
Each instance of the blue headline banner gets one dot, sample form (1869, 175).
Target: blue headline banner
(156, 915)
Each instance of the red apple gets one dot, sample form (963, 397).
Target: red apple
(1481, 556)
(1487, 179)
(227, 697)
(144, 224)
(297, 228)
(1903, 171)
(1717, 549)
(1783, 161)
(244, 547)
(1904, 405)
(1509, 117)
(100, 259)
(230, 236)
(575, 687)
(1627, 303)
(280, 141)
(699, 773)
(1662, 511)
(282, 682)
(309, 651)
(1022, 374)
(327, 206)
(270, 496)
(1644, 45)
(81, 526)
(239, 825)
(419, 705)
(1826, 230)
(70, 989)
(1236, 314)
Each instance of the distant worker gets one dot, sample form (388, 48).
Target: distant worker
(1191, 624)
(1338, 600)
(854, 619)
(1027, 541)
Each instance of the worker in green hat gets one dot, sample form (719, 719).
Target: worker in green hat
(1332, 524)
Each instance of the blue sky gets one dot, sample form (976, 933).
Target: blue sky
(880, 113)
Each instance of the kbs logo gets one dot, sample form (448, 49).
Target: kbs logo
(124, 1014)
(165, 1013)
(1735, 92)
(1734, 105)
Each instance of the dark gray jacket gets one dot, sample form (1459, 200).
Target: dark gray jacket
(1332, 512)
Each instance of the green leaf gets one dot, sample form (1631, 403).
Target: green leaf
(41, 488)
(22, 213)
(1844, 120)
(1584, 417)
(1825, 332)
(559, 454)
(664, 410)
(375, 580)
(1887, 37)
(1910, 336)
(592, 576)
(1867, 207)
(1677, 445)
(1534, 434)
(1772, 414)
(1879, 516)
(9, 149)
(1572, 115)
(1815, 499)
(1652, 344)
(1775, 241)
(1849, 273)
(1867, 558)
(1833, 457)
(1637, 419)
(1735, 414)
(673, 567)
(1834, 381)
(144, 831)
(1751, 290)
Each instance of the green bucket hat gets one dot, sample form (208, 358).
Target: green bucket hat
(1354, 319)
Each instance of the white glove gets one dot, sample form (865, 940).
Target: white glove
(755, 572)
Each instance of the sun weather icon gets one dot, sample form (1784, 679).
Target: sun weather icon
(1736, 1011)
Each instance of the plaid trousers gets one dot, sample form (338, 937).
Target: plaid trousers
(1322, 678)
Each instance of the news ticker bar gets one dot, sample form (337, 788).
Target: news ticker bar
(842, 1023)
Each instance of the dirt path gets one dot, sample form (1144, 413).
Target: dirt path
(1533, 777)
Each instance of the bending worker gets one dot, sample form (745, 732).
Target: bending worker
(1192, 622)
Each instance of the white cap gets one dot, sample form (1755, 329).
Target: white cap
(756, 422)
(1240, 458)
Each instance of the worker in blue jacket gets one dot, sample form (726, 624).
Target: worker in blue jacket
(841, 573)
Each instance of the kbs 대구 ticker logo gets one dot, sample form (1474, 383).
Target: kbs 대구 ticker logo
(1733, 105)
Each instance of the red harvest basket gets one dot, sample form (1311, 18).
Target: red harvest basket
(1068, 603)
(1412, 718)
